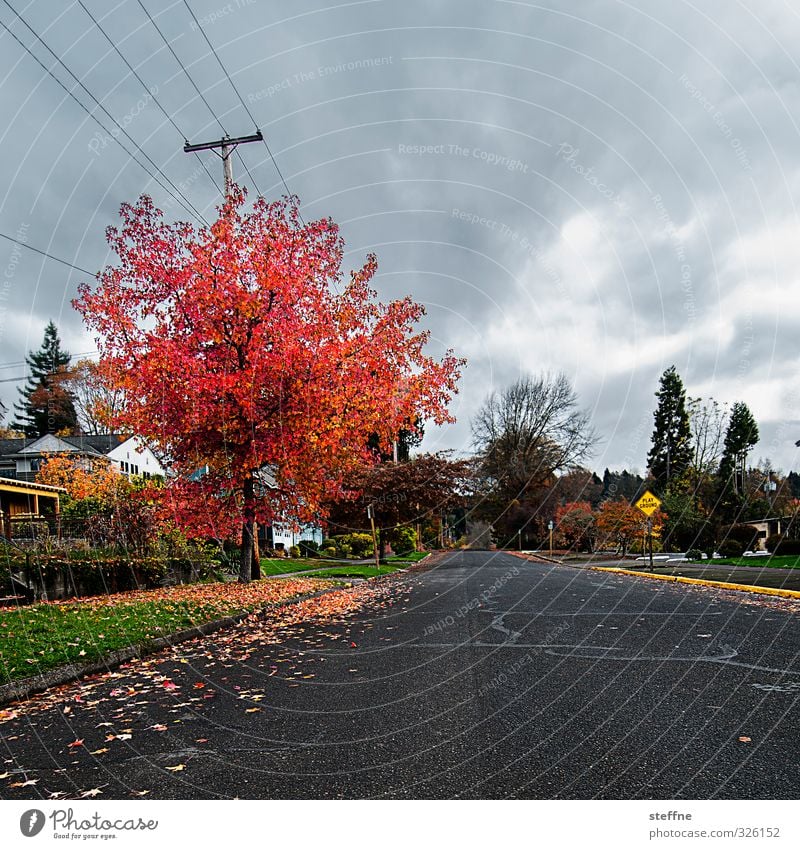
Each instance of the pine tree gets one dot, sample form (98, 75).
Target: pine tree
(46, 404)
(741, 436)
(671, 452)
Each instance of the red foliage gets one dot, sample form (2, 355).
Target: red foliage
(234, 351)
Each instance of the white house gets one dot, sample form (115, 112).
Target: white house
(20, 459)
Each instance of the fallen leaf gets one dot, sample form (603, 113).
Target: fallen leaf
(95, 791)
(744, 740)
(75, 744)
(5, 775)
(178, 768)
(253, 710)
(139, 792)
(158, 727)
(99, 751)
(29, 783)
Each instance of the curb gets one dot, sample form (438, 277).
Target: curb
(27, 687)
(679, 579)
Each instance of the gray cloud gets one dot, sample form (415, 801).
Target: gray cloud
(603, 188)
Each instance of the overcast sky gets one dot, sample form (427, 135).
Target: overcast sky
(599, 188)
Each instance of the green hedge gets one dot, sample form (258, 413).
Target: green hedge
(64, 577)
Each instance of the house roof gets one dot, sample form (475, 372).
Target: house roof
(98, 444)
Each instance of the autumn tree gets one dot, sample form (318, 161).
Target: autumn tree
(413, 492)
(240, 348)
(46, 403)
(620, 523)
(671, 451)
(96, 403)
(575, 525)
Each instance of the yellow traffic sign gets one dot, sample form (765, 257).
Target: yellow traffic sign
(648, 503)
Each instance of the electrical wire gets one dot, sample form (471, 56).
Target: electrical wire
(187, 205)
(236, 92)
(188, 75)
(142, 83)
(49, 256)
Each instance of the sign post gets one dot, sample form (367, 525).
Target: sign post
(648, 504)
(550, 528)
(371, 518)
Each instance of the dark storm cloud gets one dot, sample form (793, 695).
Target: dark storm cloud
(601, 187)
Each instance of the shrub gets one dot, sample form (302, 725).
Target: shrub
(344, 550)
(330, 551)
(327, 543)
(731, 548)
(694, 554)
(779, 544)
(747, 535)
(294, 551)
(360, 545)
(308, 548)
(403, 539)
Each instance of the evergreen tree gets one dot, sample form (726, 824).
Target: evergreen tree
(741, 436)
(671, 452)
(46, 404)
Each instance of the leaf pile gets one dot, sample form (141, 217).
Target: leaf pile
(50, 634)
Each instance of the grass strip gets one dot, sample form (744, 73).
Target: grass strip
(774, 561)
(43, 636)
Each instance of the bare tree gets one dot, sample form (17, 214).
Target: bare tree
(529, 431)
(708, 421)
(94, 401)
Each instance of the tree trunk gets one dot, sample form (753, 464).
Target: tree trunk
(256, 568)
(248, 518)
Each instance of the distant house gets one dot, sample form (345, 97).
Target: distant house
(771, 527)
(20, 459)
(283, 536)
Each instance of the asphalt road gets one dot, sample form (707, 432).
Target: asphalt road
(485, 676)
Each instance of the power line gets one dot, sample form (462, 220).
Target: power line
(246, 108)
(188, 75)
(188, 206)
(235, 91)
(49, 256)
(141, 82)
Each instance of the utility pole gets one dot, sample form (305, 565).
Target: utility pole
(226, 146)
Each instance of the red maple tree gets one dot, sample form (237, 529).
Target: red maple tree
(237, 353)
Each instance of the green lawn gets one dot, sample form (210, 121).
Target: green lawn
(776, 561)
(38, 637)
(281, 565)
(411, 557)
(356, 571)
